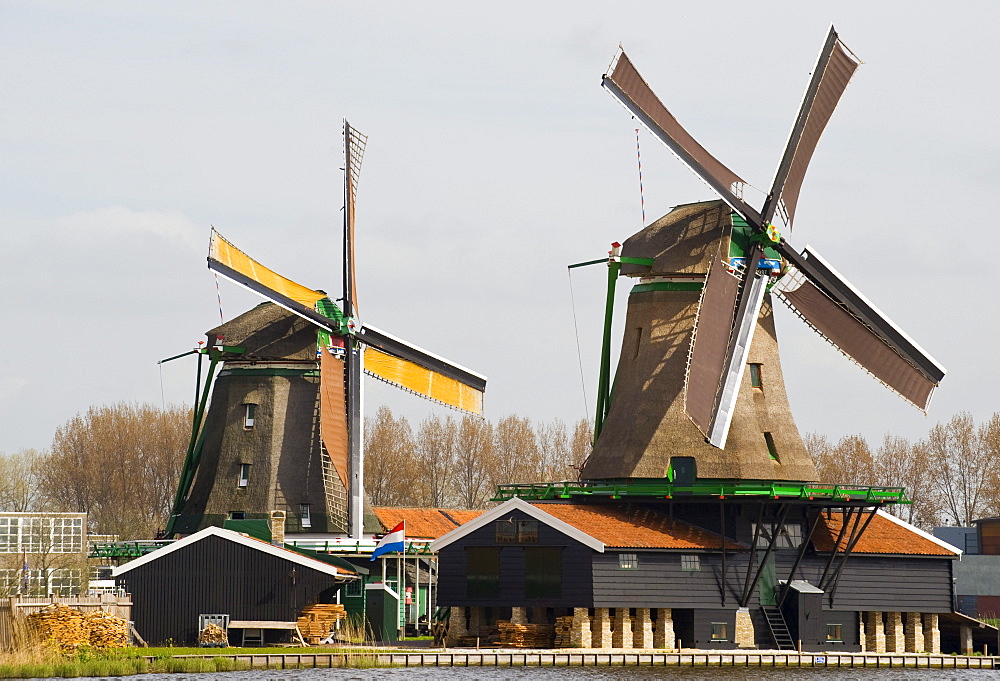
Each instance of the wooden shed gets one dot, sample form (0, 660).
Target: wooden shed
(218, 571)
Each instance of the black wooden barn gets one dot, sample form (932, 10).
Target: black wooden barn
(219, 571)
(644, 574)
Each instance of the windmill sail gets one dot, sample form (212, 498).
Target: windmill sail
(333, 412)
(830, 78)
(354, 151)
(422, 381)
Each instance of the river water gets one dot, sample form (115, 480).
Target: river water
(578, 674)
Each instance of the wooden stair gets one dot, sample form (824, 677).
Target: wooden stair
(778, 628)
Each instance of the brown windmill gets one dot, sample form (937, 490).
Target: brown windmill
(699, 391)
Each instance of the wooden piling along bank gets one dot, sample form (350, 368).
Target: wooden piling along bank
(602, 659)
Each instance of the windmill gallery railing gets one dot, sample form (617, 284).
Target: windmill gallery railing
(719, 489)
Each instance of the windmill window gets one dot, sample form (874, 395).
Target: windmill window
(755, 377)
(771, 449)
(720, 631)
(628, 561)
(244, 474)
(304, 516)
(835, 633)
(691, 563)
(638, 342)
(248, 417)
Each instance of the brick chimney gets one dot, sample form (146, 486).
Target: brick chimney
(278, 528)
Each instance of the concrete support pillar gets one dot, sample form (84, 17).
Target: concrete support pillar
(518, 616)
(475, 620)
(580, 635)
(642, 629)
(663, 633)
(539, 616)
(875, 633)
(621, 637)
(932, 635)
(914, 633)
(895, 638)
(862, 639)
(744, 629)
(456, 625)
(965, 640)
(601, 629)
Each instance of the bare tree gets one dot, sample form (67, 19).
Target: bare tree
(553, 448)
(897, 462)
(435, 457)
(118, 463)
(966, 469)
(473, 456)
(18, 482)
(389, 459)
(516, 454)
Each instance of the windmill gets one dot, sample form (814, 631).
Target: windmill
(734, 256)
(343, 347)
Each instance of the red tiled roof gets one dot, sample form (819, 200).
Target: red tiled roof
(618, 527)
(424, 523)
(882, 535)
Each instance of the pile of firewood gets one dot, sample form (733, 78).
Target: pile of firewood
(316, 621)
(70, 628)
(563, 627)
(213, 635)
(525, 635)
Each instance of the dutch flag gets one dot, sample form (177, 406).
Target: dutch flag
(392, 541)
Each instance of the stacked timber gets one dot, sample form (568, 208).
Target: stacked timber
(563, 627)
(317, 621)
(213, 635)
(525, 635)
(106, 630)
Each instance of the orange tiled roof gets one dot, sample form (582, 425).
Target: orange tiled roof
(424, 523)
(881, 536)
(618, 527)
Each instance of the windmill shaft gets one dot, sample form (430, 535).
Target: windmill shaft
(355, 437)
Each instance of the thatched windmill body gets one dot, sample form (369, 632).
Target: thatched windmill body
(285, 427)
(699, 391)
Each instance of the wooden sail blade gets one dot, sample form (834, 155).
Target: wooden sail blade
(238, 267)
(354, 150)
(830, 78)
(864, 345)
(423, 381)
(397, 347)
(628, 87)
(333, 413)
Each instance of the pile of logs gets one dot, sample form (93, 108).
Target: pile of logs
(70, 629)
(525, 635)
(213, 635)
(563, 627)
(317, 621)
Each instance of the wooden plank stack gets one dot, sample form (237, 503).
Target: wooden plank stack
(563, 627)
(213, 635)
(316, 621)
(525, 635)
(70, 628)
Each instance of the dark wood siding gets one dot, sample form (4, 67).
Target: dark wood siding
(658, 582)
(577, 585)
(217, 576)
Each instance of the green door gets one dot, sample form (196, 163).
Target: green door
(768, 584)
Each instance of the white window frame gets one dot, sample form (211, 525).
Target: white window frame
(249, 415)
(690, 562)
(305, 515)
(244, 474)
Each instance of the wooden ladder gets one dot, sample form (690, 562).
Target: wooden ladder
(779, 630)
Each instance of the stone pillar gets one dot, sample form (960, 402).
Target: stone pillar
(965, 640)
(642, 629)
(456, 625)
(518, 616)
(895, 639)
(744, 629)
(663, 633)
(475, 620)
(580, 635)
(861, 632)
(914, 633)
(875, 633)
(539, 616)
(601, 629)
(621, 637)
(932, 635)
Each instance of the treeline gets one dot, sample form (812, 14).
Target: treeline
(952, 475)
(459, 461)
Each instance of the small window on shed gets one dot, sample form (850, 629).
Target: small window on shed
(248, 417)
(755, 377)
(512, 531)
(237, 515)
(835, 633)
(628, 561)
(691, 563)
(244, 474)
(304, 515)
(720, 631)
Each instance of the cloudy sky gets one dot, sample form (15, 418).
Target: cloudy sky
(495, 159)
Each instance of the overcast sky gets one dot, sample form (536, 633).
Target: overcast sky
(495, 159)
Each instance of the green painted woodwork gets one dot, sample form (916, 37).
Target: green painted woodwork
(312, 371)
(661, 488)
(604, 382)
(668, 286)
(743, 235)
(648, 262)
(328, 308)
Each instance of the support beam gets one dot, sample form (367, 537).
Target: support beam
(773, 540)
(798, 558)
